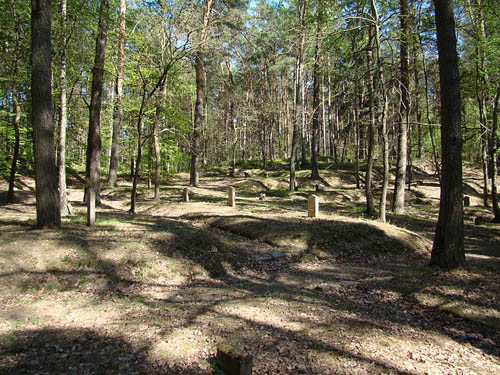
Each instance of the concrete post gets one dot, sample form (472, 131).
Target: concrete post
(313, 206)
(231, 196)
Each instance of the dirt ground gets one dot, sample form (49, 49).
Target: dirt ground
(157, 291)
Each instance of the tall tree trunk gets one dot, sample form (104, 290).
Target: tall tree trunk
(303, 138)
(448, 247)
(48, 210)
(316, 100)
(481, 87)
(194, 178)
(15, 157)
(404, 112)
(357, 127)
(383, 94)
(370, 206)
(298, 95)
(94, 136)
(133, 197)
(65, 209)
(156, 138)
(493, 158)
(435, 157)
(115, 143)
(385, 153)
(17, 110)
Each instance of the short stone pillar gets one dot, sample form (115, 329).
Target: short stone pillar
(466, 201)
(313, 206)
(231, 196)
(233, 361)
(90, 207)
(185, 195)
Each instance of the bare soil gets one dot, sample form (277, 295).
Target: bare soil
(156, 292)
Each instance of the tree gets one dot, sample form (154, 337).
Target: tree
(316, 91)
(404, 111)
(200, 84)
(448, 247)
(94, 136)
(115, 145)
(48, 211)
(299, 71)
(493, 158)
(15, 80)
(65, 209)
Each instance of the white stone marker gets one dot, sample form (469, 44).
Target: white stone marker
(186, 195)
(231, 196)
(313, 206)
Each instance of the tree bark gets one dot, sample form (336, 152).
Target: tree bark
(493, 158)
(133, 197)
(115, 143)
(156, 139)
(65, 209)
(383, 94)
(448, 247)
(404, 112)
(194, 178)
(94, 136)
(48, 212)
(298, 96)
(316, 100)
(15, 157)
(370, 206)
(17, 111)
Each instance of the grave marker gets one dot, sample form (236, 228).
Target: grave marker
(313, 206)
(231, 196)
(233, 361)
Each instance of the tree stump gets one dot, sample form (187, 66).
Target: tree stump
(233, 361)
(185, 195)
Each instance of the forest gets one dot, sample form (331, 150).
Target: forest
(124, 124)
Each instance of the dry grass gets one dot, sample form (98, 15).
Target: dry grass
(154, 293)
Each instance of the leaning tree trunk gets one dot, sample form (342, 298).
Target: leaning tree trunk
(115, 143)
(48, 211)
(94, 137)
(448, 247)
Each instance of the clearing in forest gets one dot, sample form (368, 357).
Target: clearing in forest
(155, 292)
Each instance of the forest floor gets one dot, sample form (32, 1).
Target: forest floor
(157, 291)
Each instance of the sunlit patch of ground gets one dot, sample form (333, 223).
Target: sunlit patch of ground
(155, 292)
